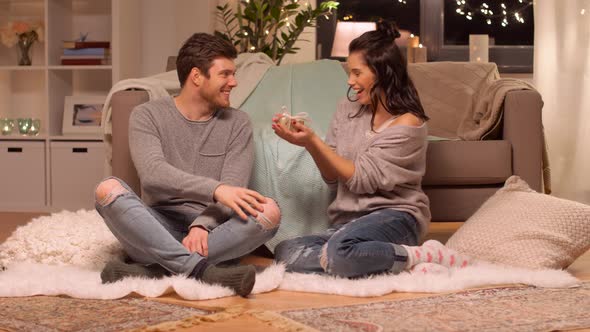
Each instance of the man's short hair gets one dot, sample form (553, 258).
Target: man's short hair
(199, 51)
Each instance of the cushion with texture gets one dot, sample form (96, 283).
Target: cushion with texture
(520, 227)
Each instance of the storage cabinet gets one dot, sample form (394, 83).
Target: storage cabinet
(76, 168)
(22, 174)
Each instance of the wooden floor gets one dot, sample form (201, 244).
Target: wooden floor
(236, 314)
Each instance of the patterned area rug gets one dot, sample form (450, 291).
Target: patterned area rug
(497, 309)
(45, 314)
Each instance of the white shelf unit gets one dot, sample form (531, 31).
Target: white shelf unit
(39, 91)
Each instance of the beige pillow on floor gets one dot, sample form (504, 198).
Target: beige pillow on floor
(521, 227)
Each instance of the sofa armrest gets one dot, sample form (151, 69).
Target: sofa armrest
(122, 103)
(524, 129)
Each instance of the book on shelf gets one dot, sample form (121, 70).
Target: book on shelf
(87, 51)
(85, 62)
(84, 57)
(85, 44)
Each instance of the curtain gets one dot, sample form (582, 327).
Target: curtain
(562, 76)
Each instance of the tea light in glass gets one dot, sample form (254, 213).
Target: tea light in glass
(23, 125)
(6, 126)
(35, 127)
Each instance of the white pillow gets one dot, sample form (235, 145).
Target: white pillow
(66, 238)
(521, 227)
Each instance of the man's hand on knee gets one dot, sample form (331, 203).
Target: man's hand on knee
(240, 199)
(196, 241)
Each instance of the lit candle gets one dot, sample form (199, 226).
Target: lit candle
(413, 42)
(6, 126)
(23, 125)
(420, 54)
(35, 127)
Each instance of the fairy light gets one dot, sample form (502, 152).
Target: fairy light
(485, 10)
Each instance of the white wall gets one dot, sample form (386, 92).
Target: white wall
(167, 24)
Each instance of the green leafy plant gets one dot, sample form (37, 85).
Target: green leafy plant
(269, 26)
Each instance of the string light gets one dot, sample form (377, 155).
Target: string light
(485, 10)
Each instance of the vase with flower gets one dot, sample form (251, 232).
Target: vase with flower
(23, 35)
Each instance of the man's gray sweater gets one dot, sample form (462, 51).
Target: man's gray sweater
(181, 162)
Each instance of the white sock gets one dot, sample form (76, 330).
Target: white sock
(435, 252)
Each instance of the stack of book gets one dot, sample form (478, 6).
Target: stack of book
(87, 53)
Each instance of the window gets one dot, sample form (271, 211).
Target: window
(445, 32)
(457, 27)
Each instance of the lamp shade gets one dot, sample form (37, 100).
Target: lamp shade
(345, 33)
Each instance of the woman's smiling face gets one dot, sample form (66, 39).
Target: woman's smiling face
(360, 77)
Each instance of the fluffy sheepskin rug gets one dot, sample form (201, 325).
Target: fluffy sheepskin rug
(444, 280)
(29, 279)
(79, 239)
(63, 254)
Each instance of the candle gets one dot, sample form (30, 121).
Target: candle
(6, 126)
(420, 54)
(23, 125)
(413, 42)
(35, 127)
(478, 48)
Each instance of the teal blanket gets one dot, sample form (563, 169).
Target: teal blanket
(283, 171)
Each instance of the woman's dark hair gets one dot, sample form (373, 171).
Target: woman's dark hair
(385, 60)
(199, 51)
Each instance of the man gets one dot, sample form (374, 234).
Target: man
(194, 155)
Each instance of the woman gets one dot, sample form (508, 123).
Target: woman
(374, 156)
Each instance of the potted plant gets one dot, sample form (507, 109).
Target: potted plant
(269, 26)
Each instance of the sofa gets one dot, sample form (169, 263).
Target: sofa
(460, 174)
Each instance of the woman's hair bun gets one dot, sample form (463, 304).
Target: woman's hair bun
(388, 29)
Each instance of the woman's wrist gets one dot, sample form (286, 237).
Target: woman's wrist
(313, 143)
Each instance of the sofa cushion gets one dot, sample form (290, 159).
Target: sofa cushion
(467, 162)
(521, 227)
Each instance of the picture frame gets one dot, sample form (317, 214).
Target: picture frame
(83, 115)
